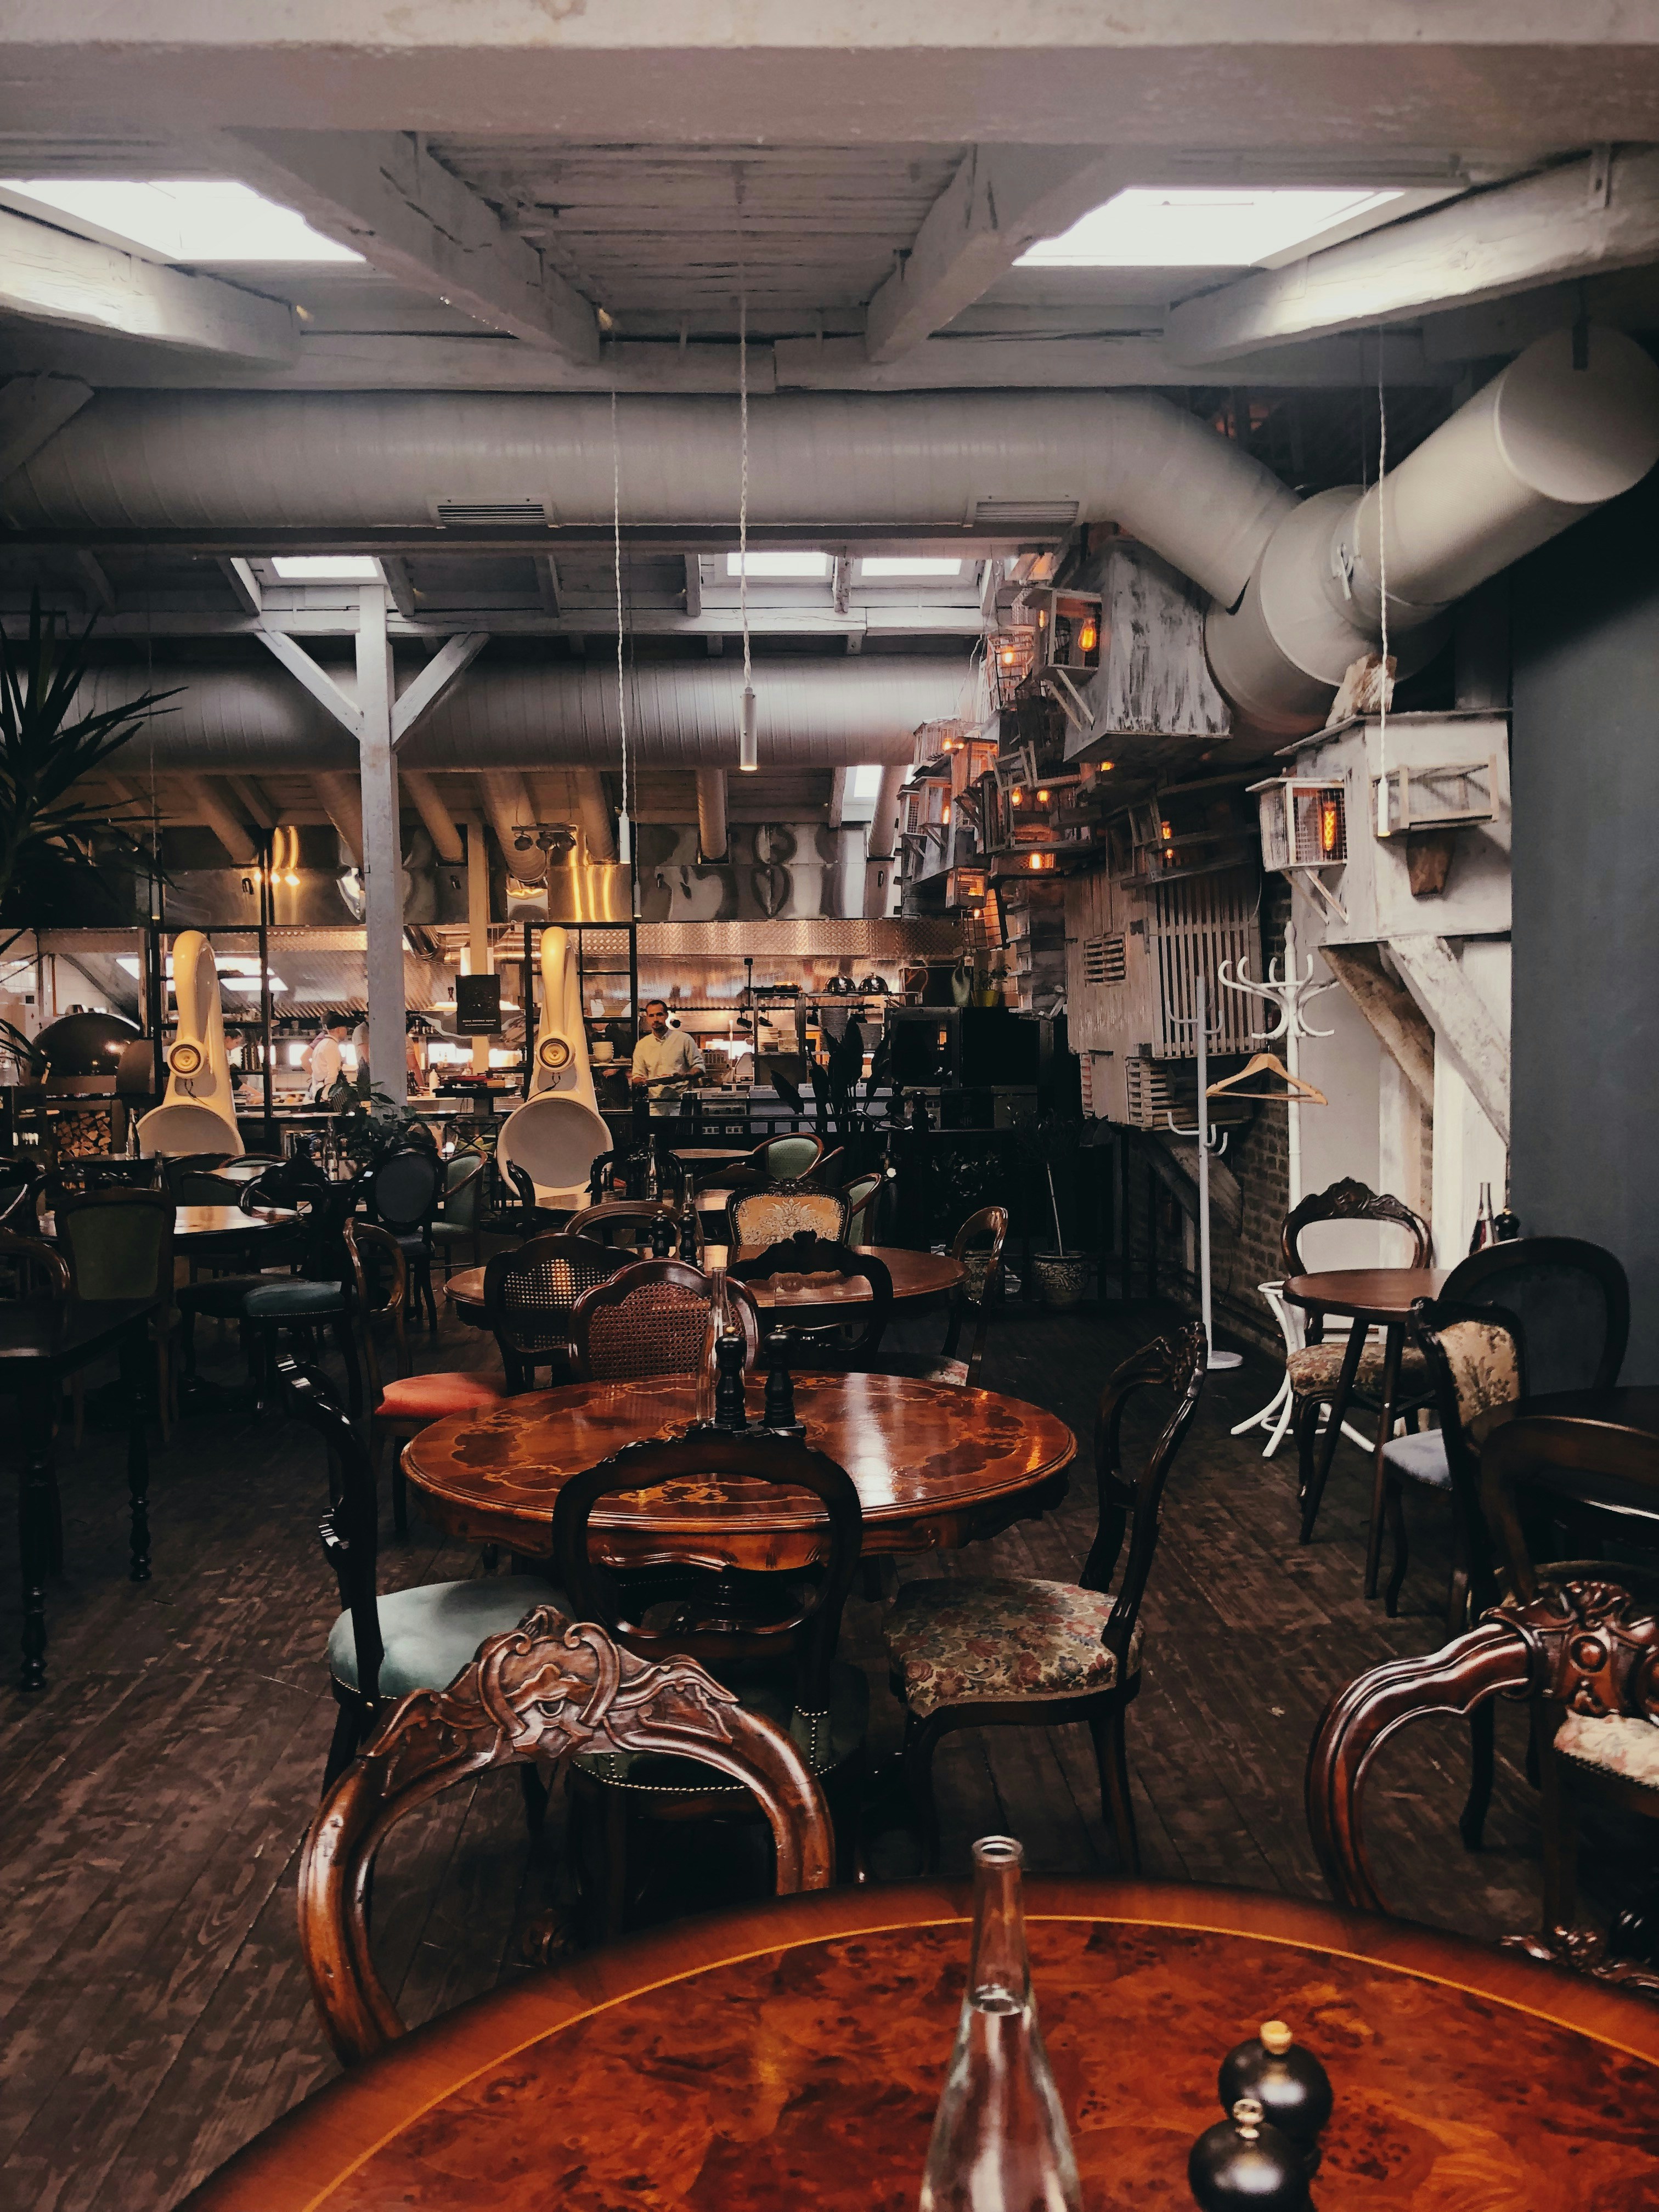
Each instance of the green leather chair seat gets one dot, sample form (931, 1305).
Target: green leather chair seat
(431, 1632)
(827, 1744)
(221, 1296)
(284, 1301)
(451, 1232)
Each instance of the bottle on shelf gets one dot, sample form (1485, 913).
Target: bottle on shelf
(1506, 1225)
(1485, 1232)
(1000, 2136)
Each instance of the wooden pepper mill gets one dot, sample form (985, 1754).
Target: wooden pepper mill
(1289, 2083)
(662, 1238)
(1242, 2164)
(730, 1412)
(779, 1415)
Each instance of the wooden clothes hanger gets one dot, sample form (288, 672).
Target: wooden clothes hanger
(1295, 1093)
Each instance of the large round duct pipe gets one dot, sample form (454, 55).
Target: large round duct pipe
(1569, 424)
(903, 462)
(711, 813)
(251, 719)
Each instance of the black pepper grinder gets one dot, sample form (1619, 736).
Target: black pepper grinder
(1243, 2163)
(662, 1238)
(689, 1232)
(779, 1415)
(1289, 2083)
(729, 1410)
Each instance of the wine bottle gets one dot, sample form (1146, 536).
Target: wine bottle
(1484, 1232)
(999, 2142)
(1506, 1225)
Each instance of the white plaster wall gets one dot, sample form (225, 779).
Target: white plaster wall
(1340, 1140)
(1467, 1149)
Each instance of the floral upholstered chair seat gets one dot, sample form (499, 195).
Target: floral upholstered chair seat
(1314, 1370)
(1620, 1745)
(971, 1642)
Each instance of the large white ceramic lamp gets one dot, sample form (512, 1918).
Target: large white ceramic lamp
(199, 1111)
(558, 1132)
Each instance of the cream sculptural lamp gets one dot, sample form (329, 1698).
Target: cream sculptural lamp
(198, 1114)
(558, 1132)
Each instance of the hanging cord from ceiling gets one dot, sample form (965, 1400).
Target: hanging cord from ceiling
(1383, 579)
(748, 730)
(625, 825)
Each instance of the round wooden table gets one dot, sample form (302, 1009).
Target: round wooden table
(918, 1278)
(1634, 1407)
(203, 1224)
(1374, 1298)
(794, 2054)
(936, 1468)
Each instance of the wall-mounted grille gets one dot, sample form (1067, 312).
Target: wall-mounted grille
(1105, 960)
(1198, 923)
(491, 514)
(1153, 1094)
(1025, 513)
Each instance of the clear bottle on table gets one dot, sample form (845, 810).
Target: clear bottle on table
(999, 2142)
(1485, 1232)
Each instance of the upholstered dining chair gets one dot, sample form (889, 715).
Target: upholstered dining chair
(767, 1216)
(653, 1317)
(461, 1221)
(770, 1638)
(853, 1343)
(531, 1294)
(409, 1403)
(539, 1691)
(863, 1193)
(118, 1245)
(977, 1250)
(385, 1643)
(1314, 1370)
(1008, 1650)
(785, 1159)
(1583, 1652)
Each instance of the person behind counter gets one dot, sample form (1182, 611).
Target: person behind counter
(327, 1055)
(664, 1060)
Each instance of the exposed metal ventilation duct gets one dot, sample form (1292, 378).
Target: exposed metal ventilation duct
(528, 716)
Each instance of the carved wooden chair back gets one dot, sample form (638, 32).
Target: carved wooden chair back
(804, 1254)
(35, 1268)
(1572, 1299)
(624, 1224)
(767, 1216)
(1350, 1201)
(1477, 1360)
(379, 1298)
(977, 1250)
(1590, 1647)
(1599, 1472)
(1130, 1504)
(542, 1691)
(654, 1317)
(529, 1295)
(723, 1618)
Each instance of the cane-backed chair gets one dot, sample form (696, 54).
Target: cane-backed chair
(1583, 1652)
(853, 1343)
(771, 1637)
(765, 1217)
(655, 1317)
(565, 1687)
(977, 1250)
(971, 1652)
(530, 1297)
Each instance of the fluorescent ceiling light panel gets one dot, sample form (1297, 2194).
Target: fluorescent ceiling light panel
(897, 565)
(189, 219)
(813, 567)
(327, 569)
(1204, 228)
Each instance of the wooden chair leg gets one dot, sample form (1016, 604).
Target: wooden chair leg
(1106, 1726)
(346, 1343)
(616, 1826)
(1393, 1512)
(163, 1393)
(1555, 1819)
(79, 1412)
(342, 1747)
(920, 1738)
(1483, 1765)
(1304, 1422)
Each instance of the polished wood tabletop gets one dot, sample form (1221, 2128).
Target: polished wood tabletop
(1636, 1407)
(1370, 1294)
(197, 1224)
(793, 2054)
(936, 1468)
(917, 1277)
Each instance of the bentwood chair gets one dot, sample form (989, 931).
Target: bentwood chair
(769, 1216)
(654, 1317)
(409, 1403)
(530, 1297)
(461, 1222)
(785, 1159)
(1315, 1368)
(562, 1687)
(1582, 1650)
(977, 1250)
(1009, 1651)
(852, 1345)
(863, 1195)
(625, 1224)
(319, 1297)
(770, 1638)
(118, 1245)
(382, 1646)
(403, 1193)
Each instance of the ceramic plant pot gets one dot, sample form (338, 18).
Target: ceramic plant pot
(1060, 1278)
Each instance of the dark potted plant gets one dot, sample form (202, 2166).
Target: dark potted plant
(1060, 1276)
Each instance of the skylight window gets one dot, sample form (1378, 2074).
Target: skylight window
(327, 569)
(1204, 228)
(881, 565)
(186, 219)
(863, 782)
(810, 567)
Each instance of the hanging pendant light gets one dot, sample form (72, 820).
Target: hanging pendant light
(749, 734)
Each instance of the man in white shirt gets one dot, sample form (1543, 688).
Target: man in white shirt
(326, 1059)
(664, 1060)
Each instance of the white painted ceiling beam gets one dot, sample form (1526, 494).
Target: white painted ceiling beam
(208, 795)
(99, 585)
(382, 193)
(244, 584)
(48, 276)
(1001, 200)
(278, 631)
(1582, 219)
(320, 685)
(435, 681)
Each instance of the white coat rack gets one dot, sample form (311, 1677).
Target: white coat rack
(1288, 994)
(1207, 1144)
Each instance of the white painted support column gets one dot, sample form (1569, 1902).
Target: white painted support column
(383, 860)
(879, 892)
(850, 863)
(477, 923)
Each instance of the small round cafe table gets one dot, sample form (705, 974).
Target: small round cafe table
(918, 1279)
(793, 2055)
(194, 1226)
(936, 1468)
(1374, 1297)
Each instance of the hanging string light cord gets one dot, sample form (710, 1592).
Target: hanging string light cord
(616, 551)
(742, 480)
(1383, 573)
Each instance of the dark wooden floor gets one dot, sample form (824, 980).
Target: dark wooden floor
(154, 2014)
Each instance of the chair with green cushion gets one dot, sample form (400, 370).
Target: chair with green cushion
(461, 1221)
(380, 1647)
(771, 1637)
(785, 1159)
(863, 1196)
(118, 1245)
(320, 1297)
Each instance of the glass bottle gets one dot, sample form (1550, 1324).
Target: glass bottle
(1484, 1233)
(1506, 1226)
(1000, 2141)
